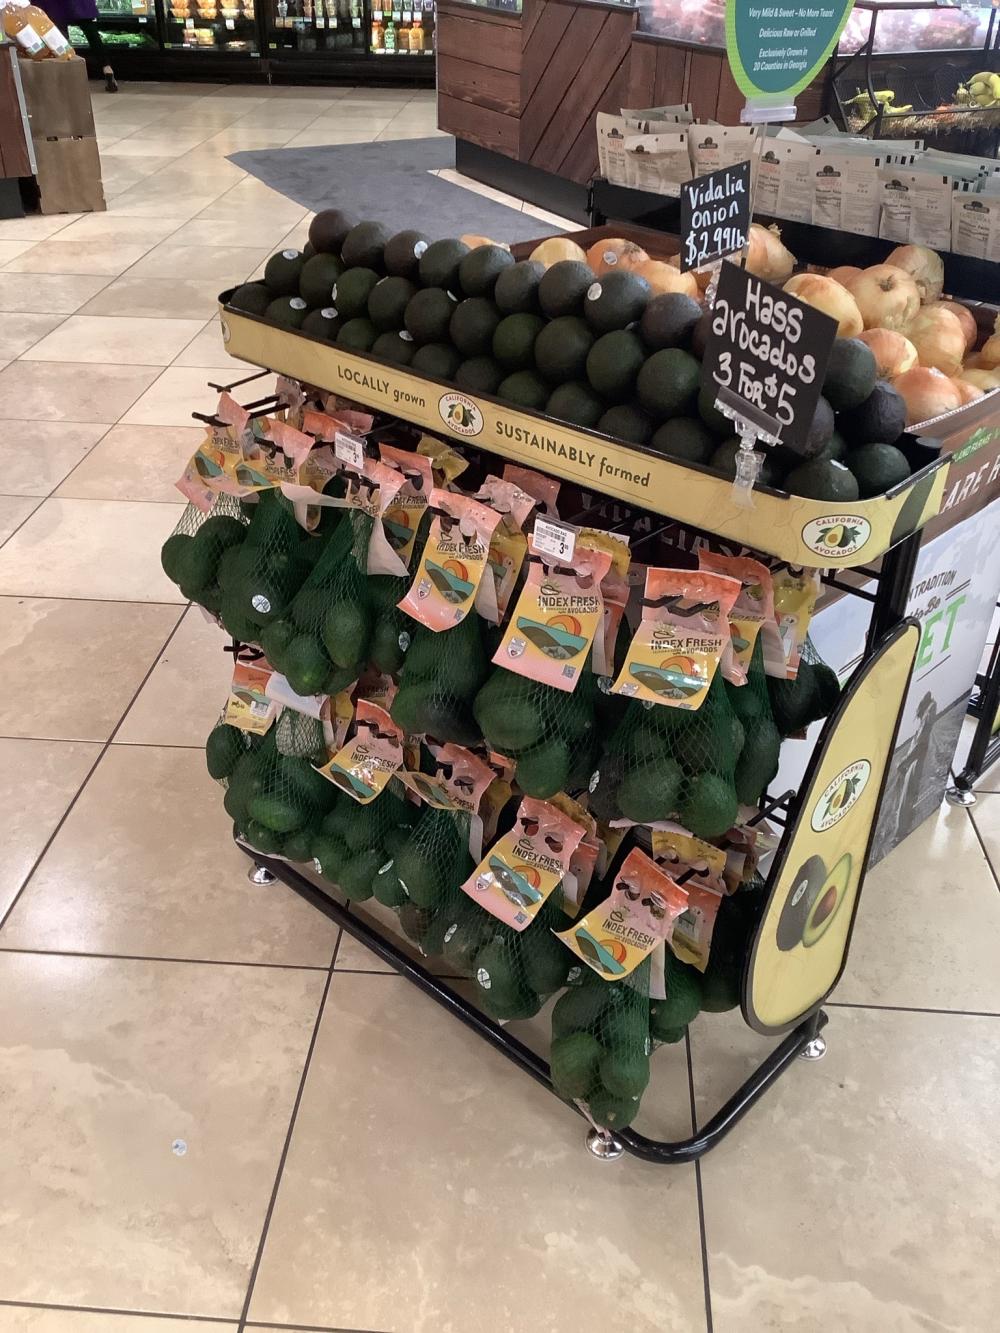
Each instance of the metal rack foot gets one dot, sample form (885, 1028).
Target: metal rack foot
(501, 1039)
(261, 875)
(603, 1144)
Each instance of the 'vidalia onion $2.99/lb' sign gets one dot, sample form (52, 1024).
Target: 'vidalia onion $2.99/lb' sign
(776, 50)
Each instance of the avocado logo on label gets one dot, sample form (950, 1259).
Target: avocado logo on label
(837, 534)
(460, 414)
(840, 795)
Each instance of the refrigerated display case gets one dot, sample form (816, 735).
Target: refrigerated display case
(321, 41)
(305, 38)
(222, 27)
(125, 26)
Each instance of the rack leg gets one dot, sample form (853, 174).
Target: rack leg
(261, 876)
(603, 1144)
(815, 1047)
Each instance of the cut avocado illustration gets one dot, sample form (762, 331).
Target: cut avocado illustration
(451, 587)
(553, 641)
(513, 885)
(805, 891)
(597, 954)
(813, 902)
(832, 894)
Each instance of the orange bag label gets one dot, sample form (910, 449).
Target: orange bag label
(363, 767)
(453, 562)
(681, 639)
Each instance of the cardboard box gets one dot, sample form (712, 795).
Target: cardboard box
(68, 176)
(57, 95)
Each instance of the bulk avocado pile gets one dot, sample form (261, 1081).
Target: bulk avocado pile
(605, 339)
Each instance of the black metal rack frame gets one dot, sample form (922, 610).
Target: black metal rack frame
(985, 748)
(892, 582)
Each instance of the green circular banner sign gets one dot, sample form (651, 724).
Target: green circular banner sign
(777, 49)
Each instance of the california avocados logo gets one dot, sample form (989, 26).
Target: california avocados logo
(837, 535)
(460, 414)
(840, 795)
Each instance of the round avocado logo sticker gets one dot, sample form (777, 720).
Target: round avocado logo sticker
(776, 52)
(839, 795)
(837, 535)
(460, 414)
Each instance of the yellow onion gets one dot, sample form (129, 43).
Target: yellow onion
(927, 393)
(822, 293)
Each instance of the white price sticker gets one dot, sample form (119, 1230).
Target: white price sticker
(355, 23)
(189, 23)
(555, 539)
(230, 24)
(349, 448)
(320, 23)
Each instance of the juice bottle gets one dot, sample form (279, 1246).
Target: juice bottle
(19, 28)
(416, 34)
(390, 37)
(377, 31)
(54, 40)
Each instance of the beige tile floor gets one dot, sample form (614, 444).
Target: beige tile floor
(216, 1111)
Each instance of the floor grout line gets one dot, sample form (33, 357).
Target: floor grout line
(90, 773)
(163, 958)
(982, 844)
(34, 510)
(116, 1310)
(910, 1009)
(699, 1193)
(252, 1282)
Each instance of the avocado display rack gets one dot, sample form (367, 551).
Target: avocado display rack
(801, 531)
(323, 365)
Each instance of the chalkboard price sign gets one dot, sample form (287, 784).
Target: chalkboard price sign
(767, 355)
(715, 215)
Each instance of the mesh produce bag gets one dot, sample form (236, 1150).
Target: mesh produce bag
(812, 695)
(321, 644)
(356, 843)
(550, 734)
(512, 971)
(668, 763)
(258, 577)
(601, 1045)
(735, 928)
(759, 739)
(276, 800)
(192, 554)
(441, 674)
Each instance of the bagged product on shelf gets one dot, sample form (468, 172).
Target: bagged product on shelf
(678, 114)
(557, 616)
(193, 555)
(453, 562)
(700, 868)
(364, 765)
(248, 707)
(354, 843)
(508, 545)
(324, 640)
(259, 578)
(758, 752)
(752, 614)
(440, 676)
(809, 697)
(453, 777)
(714, 147)
(405, 515)
(682, 640)
(846, 192)
(975, 223)
(916, 205)
(659, 163)
(667, 763)
(276, 799)
(785, 180)
(551, 735)
(612, 132)
(520, 871)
